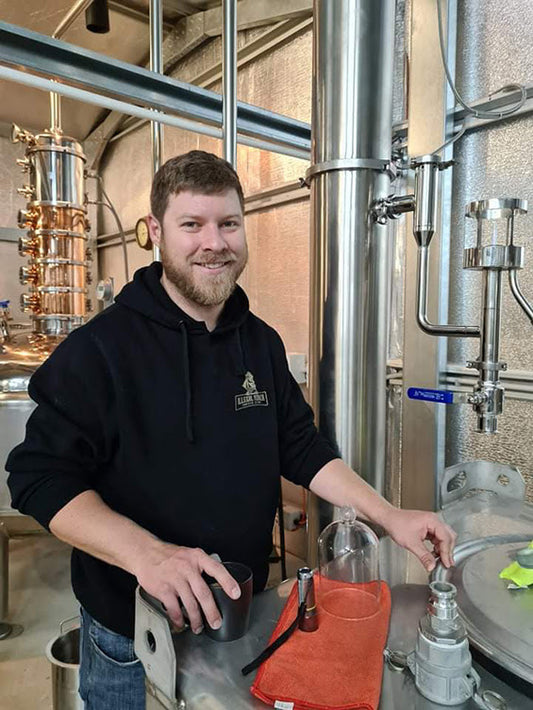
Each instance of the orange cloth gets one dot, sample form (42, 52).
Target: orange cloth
(337, 667)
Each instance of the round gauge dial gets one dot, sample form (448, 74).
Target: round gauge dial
(142, 234)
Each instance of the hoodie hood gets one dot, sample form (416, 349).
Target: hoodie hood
(146, 295)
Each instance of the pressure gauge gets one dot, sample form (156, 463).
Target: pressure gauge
(142, 234)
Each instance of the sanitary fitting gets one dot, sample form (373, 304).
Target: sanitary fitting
(441, 662)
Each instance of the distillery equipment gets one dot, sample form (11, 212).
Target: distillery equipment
(56, 275)
(463, 641)
(494, 253)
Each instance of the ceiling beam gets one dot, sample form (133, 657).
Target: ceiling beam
(256, 13)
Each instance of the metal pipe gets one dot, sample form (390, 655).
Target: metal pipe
(463, 331)
(489, 387)
(37, 82)
(229, 110)
(55, 99)
(74, 12)
(156, 65)
(519, 296)
(5, 628)
(55, 111)
(350, 257)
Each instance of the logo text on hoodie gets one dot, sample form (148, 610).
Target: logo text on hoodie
(252, 398)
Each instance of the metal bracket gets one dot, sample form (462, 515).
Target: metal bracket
(502, 479)
(155, 649)
(350, 164)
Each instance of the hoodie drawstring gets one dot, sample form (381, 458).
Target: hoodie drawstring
(187, 382)
(241, 365)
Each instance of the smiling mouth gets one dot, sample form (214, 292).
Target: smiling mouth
(215, 265)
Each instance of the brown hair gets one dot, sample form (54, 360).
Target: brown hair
(196, 171)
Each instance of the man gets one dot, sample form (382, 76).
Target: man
(161, 431)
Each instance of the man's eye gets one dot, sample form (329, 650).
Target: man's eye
(189, 225)
(230, 224)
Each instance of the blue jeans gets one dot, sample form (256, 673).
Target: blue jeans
(111, 675)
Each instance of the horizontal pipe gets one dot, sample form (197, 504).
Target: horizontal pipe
(36, 53)
(185, 124)
(462, 331)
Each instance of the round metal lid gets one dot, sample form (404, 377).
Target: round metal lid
(499, 620)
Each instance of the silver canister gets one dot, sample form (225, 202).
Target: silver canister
(306, 594)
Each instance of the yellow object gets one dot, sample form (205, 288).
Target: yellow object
(521, 576)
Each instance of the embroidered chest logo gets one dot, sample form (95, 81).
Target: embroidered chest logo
(252, 398)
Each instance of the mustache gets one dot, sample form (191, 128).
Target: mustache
(217, 258)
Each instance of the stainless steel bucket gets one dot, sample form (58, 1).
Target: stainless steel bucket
(63, 652)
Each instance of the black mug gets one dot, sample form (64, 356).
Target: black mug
(235, 612)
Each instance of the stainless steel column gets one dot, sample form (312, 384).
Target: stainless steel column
(489, 354)
(156, 65)
(229, 118)
(350, 261)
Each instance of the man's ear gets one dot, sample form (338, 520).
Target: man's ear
(155, 229)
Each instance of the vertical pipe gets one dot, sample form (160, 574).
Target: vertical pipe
(66, 22)
(55, 112)
(229, 123)
(5, 628)
(156, 65)
(489, 367)
(353, 43)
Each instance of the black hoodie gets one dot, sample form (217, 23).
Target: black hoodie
(182, 430)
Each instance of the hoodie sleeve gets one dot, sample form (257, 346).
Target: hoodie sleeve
(303, 450)
(66, 440)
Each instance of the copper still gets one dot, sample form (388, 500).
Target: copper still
(56, 275)
(57, 224)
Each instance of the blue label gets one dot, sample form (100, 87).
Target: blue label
(438, 396)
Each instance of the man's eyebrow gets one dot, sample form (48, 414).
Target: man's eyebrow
(200, 217)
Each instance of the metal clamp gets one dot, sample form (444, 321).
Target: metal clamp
(349, 164)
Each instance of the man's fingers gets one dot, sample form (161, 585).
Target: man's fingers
(443, 537)
(172, 607)
(424, 555)
(191, 606)
(207, 603)
(220, 573)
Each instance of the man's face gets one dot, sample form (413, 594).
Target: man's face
(203, 245)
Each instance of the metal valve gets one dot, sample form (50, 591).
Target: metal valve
(25, 218)
(30, 302)
(24, 164)
(27, 246)
(28, 274)
(19, 135)
(26, 191)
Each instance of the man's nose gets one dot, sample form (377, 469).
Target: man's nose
(213, 238)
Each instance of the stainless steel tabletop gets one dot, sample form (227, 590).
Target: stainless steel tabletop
(209, 673)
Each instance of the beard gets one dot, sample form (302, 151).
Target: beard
(205, 290)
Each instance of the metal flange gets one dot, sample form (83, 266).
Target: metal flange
(496, 256)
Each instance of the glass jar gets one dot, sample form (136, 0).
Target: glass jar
(349, 585)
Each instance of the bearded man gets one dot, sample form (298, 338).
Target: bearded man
(161, 431)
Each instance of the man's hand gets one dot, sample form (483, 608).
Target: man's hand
(409, 528)
(173, 574)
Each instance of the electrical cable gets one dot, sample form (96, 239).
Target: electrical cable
(107, 203)
(486, 114)
(460, 133)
